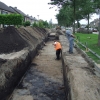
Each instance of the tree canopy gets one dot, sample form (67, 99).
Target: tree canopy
(80, 9)
(75, 10)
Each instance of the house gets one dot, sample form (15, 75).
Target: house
(4, 9)
(94, 24)
(26, 17)
(33, 19)
(30, 19)
(19, 12)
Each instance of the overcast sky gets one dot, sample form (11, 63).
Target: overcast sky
(38, 7)
(94, 16)
(34, 8)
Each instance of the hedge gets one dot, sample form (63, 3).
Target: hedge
(11, 19)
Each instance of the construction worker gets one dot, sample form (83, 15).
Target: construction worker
(70, 37)
(57, 46)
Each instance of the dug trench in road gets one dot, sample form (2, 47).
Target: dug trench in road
(44, 78)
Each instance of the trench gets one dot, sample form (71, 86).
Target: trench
(45, 79)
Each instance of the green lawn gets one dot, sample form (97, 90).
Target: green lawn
(91, 40)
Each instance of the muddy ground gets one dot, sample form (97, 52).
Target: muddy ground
(10, 41)
(14, 39)
(17, 48)
(44, 78)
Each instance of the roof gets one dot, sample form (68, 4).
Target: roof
(5, 7)
(18, 11)
(30, 17)
(12, 9)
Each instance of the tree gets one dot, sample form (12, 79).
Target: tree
(65, 17)
(72, 3)
(41, 24)
(45, 24)
(78, 8)
(97, 6)
(87, 10)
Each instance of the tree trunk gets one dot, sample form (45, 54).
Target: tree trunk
(74, 19)
(77, 24)
(88, 23)
(99, 33)
(99, 39)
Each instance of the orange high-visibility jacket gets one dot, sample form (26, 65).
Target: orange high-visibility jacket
(57, 45)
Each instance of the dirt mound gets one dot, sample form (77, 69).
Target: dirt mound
(10, 40)
(42, 30)
(30, 38)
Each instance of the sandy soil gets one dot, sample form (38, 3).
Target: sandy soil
(43, 79)
(47, 64)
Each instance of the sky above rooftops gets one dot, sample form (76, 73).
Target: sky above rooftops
(94, 16)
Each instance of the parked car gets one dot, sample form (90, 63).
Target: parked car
(95, 30)
(84, 30)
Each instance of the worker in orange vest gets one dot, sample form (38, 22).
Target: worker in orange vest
(57, 46)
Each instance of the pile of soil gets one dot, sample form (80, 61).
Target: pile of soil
(41, 30)
(11, 41)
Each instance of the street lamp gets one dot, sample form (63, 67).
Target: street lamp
(38, 17)
(38, 20)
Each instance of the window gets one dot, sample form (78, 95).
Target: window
(4, 12)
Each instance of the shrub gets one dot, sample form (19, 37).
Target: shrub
(35, 24)
(27, 23)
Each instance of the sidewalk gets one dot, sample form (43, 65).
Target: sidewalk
(83, 83)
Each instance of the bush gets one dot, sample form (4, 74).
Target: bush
(41, 24)
(27, 23)
(35, 24)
